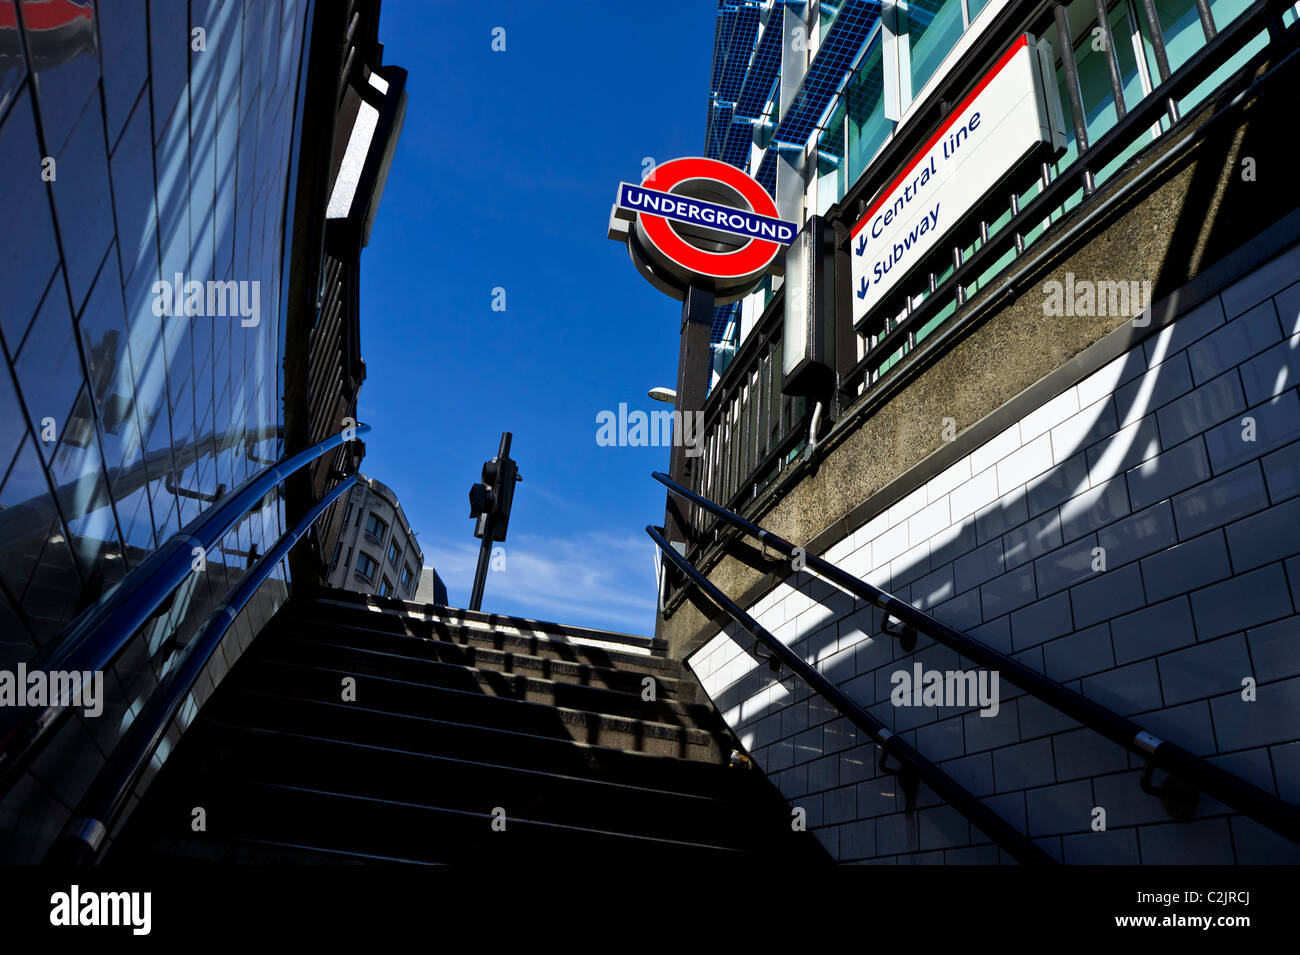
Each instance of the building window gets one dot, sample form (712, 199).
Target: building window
(394, 552)
(406, 574)
(347, 513)
(376, 527)
(338, 548)
(385, 588)
(367, 565)
(865, 109)
(933, 28)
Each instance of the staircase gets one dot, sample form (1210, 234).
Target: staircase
(358, 729)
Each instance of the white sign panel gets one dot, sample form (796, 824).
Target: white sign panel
(1002, 124)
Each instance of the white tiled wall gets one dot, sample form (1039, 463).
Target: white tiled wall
(1200, 530)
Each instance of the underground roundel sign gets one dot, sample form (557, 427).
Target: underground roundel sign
(700, 223)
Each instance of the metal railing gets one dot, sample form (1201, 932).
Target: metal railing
(96, 638)
(84, 835)
(1187, 773)
(750, 428)
(907, 310)
(913, 766)
(733, 472)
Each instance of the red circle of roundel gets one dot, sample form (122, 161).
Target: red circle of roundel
(753, 256)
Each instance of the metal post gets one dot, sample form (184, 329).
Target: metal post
(1207, 20)
(485, 548)
(692, 388)
(1072, 89)
(1158, 48)
(1112, 60)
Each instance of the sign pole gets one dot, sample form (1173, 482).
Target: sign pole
(692, 389)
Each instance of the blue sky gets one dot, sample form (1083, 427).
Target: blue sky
(504, 177)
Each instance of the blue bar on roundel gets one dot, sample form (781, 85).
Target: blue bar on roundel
(741, 222)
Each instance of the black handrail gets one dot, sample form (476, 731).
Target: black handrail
(1187, 768)
(981, 816)
(95, 638)
(83, 837)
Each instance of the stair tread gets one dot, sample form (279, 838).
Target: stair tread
(255, 803)
(365, 720)
(604, 653)
(485, 658)
(568, 713)
(384, 663)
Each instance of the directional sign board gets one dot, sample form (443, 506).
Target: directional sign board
(700, 223)
(1012, 118)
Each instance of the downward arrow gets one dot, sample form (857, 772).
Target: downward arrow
(862, 245)
(862, 292)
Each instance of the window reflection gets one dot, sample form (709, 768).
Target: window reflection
(124, 425)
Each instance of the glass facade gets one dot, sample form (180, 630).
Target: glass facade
(858, 127)
(146, 153)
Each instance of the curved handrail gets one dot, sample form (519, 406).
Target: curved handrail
(94, 639)
(1192, 770)
(981, 816)
(84, 835)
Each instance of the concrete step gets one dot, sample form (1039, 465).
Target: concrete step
(459, 740)
(223, 752)
(510, 634)
(678, 738)
(489, 658)
(516, 686)
(240, 812)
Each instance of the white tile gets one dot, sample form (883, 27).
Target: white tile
(889, 545)
(1124, 449)
(816, 616)
(1102, 382)
(1048, 416)
(774, 615)
(872, 529)
(907, 506)
(909, 560)
(1267, 280)
(1079, 431)
(974, 494)
(995, 450)
(858, 562)
(1017, 468)
(786, 633)
(797, 602)
(948, 479)
(839, 550)
(926, 523)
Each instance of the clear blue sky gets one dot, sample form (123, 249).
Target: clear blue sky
(504, 176)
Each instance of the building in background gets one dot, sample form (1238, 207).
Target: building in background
(432, 590)
(1068, 426)
(187, 188)
(371, 547)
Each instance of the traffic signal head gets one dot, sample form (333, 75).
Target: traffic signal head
(490, 500)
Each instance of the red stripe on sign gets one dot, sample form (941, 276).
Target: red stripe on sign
(1006, 58)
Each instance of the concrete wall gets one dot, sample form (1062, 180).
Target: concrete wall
(1150, 464)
